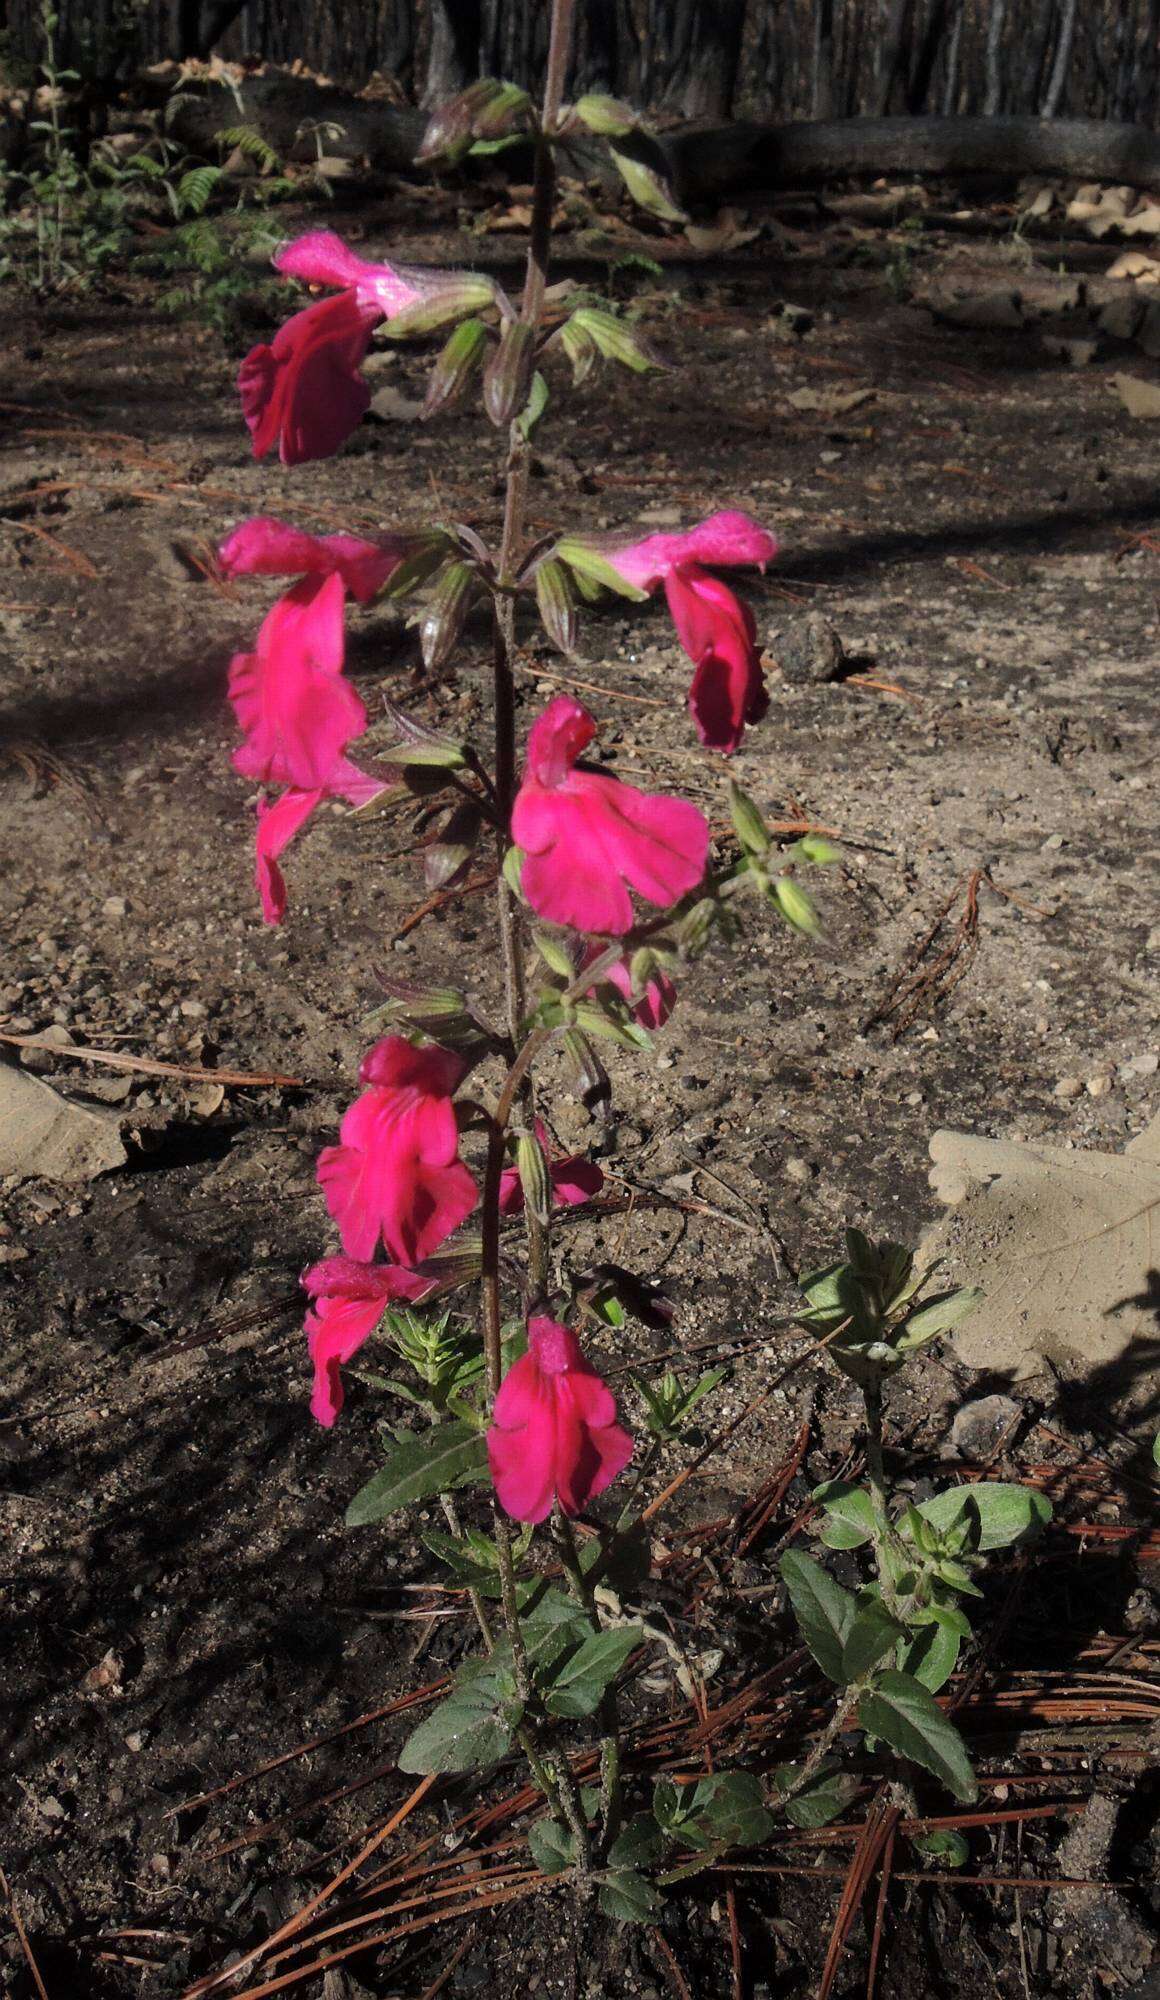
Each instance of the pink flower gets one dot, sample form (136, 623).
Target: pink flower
(397, 1172)
(303, 390)
(554, 1434)
(322, 258)
(588, 838)
(348, 1300)
(262, 546)
(574, 1180)
(298, 714)
(657, 1001)
(716, 631)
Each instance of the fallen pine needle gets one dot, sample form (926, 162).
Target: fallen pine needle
(149, 1066)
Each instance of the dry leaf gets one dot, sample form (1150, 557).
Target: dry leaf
(1144, 221)
(392, 407)
(726, 232)
(829, 402)
(1140, 398)
(1137, 265)
(44, 1136)
(1066, 1246)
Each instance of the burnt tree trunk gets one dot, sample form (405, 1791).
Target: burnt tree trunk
(453, 53)
(922, 74)
(1054, 93)
(822, 92)
(993, 101)
(893, 44)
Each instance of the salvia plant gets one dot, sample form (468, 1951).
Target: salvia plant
(445, 1161)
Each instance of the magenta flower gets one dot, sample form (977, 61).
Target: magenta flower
(657, 1001)
(322, 258)
(303, 390)
(299, 714)
(716, 631)
(574, 1180)
(589, 839)
(553, 1434)
(396, 1173)
(262, 546)
(348, 1300)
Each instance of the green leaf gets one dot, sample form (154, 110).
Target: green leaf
(534, 408)
(822, 1608)
(644, 169)
(667, 1803)
(637, 1844)
(588, 563)
(728, 1810)
(827, 1795)
(850, 1517)
(873, 1634)
(932, 1655)
(904, 1714)
(577, 1683)
(628, 1897)
(942, 1844)
(553, 1846)
(937, 1316)
(470, 1731)
(431, 1462)
(1001, 1513)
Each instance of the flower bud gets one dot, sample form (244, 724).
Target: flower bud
(696, 927)
(448, 856)
(608, 117)
(513, 865)
(556, 600)
(454, 297)
(796, 907)
(748, 824)
(580, 348)
(535, 1179)
(455, 367)
(446, 614)
(555, 956)
(507, 379)
(616, 340)
(488, 109)
(821, 852)
(425, 552)
(439, 1011)
(584, 558)
(643, 168)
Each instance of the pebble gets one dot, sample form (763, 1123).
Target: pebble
(1143, 1065)
(194, 1010)
(1153, 943)
(798, 1171)
(1052, 844)
(1099, 1086)
(1069, 1086)
(979, 1426)
(114, 907)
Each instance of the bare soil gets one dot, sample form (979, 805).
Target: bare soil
(983, 532)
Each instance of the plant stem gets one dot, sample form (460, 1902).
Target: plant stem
(829, 1735)
(582, 1590)
(875, 1468)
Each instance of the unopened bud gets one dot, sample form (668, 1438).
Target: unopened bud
(616, 339)
(696, 927)
(535, 1179)
(446, 614)
(513, 866)
(507, 379)
(748, 824)
(580, 348)
(643, 967)
(455, 367)
(425, 553)
(821, 852)
(643, 168)
(488, 109)
(608, 117)
(454, 297)
(796, 907)
(556, 600)
(555, 956)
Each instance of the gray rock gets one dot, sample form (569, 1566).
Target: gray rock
(980, 1425)
(809, 651)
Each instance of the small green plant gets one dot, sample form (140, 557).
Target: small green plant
(214, 271)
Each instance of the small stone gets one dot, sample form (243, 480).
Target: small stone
(1142, 1065)
(799, 1171)
(1069, 1086)
(1052, 844)
(114, 907)
(1099, 1086)
(194, 1010)
(914, 1097)
(1153, 942)
(979, 1426)
(136, 1740)
(808, 651)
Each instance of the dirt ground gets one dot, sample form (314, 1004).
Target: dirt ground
(983, 532)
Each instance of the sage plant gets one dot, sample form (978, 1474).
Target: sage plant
(604, 894)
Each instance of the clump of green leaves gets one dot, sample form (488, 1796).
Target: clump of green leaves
(871, 1311)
